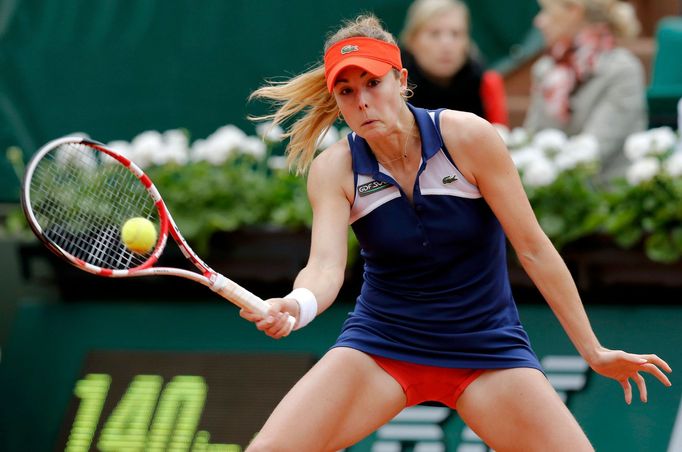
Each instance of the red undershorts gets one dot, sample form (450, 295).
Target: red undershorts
(423, 383)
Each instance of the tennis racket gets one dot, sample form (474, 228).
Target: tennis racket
(77, 194)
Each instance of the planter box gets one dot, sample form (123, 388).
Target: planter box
(606, 273)
(266, 255)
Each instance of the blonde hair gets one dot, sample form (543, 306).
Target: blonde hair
(307, 93)
(619, 15)
(422, 12)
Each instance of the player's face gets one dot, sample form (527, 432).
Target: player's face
(440, 47)
(559, 20)
(370, 105)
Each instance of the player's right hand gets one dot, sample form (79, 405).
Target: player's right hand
(275, 323)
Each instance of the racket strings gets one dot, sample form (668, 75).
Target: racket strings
(81, 198)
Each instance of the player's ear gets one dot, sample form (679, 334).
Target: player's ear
(402, 75)
(402, 79)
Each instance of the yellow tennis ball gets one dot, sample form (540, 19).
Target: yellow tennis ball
(139, 235)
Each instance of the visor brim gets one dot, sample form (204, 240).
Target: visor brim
(374, 67)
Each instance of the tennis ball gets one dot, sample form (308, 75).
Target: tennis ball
(139, 235)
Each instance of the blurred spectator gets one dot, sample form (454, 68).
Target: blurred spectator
(586, 83)
(437, 52)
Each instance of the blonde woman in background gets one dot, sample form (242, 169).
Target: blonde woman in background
(431, 196)
(443, 70)
(586, 83)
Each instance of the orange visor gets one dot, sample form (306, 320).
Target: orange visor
(375, 56)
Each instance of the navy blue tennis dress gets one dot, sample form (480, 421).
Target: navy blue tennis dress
(435, 290)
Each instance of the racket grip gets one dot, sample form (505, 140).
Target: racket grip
(243, 298)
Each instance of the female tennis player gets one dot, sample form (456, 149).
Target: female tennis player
(430, 196)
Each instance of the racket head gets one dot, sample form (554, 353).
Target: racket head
(77, 194)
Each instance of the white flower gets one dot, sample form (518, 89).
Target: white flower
(199, 150)
(227, 138)
(330, 137)
(578, 150)
(253, 146)
(585, 144)
(174, 155)
(539, 173)
(525, 156)
(81, 156)
(145, 147)
(673, 165)
(662, 139)
(203, 150)
(219, 145)
(122, 147)
(518, 137)
(270, 132)
(504, 132)
(277, 162)
(176, 138)
(651, 142)
(550, 139)
(174, 149)
(637, 146)
(566, 161)
(643, 170)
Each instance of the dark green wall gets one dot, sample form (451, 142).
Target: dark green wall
(114, 68)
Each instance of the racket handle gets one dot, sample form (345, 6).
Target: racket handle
(238, 295)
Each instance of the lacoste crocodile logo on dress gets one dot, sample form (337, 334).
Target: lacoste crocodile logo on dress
(449, 179)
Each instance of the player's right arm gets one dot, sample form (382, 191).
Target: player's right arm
(330, 185)
(330, 190)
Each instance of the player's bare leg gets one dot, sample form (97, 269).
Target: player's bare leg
(341, 400)
(518, 410)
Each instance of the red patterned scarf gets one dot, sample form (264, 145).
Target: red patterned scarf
(574, 62)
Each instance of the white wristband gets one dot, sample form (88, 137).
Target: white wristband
(307, 306)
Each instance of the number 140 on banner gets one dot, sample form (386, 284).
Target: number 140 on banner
(149, 416)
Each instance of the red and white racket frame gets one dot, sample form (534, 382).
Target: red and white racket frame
(218, 283)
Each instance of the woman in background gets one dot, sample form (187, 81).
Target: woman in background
(437, 53)
(586, 83)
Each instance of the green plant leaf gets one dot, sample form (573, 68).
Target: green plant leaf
(627, 238)
(660, 247)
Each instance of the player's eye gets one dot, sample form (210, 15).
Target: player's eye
(373, 82)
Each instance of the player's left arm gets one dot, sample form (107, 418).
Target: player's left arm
(484, 160)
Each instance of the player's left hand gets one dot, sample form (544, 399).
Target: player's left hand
(623, 367)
